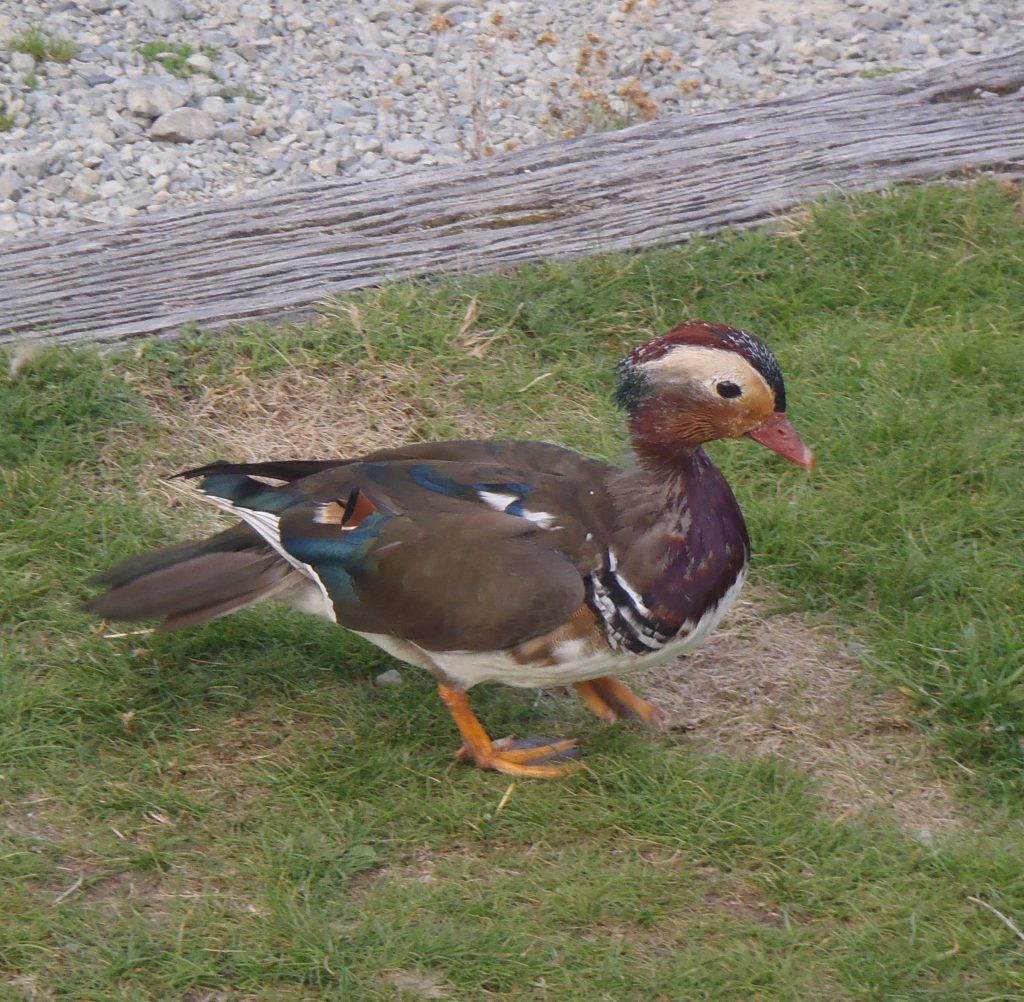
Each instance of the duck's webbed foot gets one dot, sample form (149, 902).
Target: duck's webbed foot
(611, 701)
(534, 757)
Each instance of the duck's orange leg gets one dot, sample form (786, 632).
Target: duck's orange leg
(612, 701)
(506, 755)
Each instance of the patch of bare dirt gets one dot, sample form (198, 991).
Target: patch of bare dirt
(77, 873)
(776, 685)
(420, 984)
(421, 867)
(721, 893)
(26, 987)
(160, 897)
(40, 817)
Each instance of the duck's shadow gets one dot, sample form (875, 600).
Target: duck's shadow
(281, 655)
(258, 654)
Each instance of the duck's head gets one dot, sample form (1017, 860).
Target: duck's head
(700, 382)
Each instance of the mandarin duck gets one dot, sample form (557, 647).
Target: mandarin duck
(501, 561)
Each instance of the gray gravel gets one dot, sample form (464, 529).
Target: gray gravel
(292, 90)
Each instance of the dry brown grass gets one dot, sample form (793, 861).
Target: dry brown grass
(84, 875)
(301, 413)
(777, 685)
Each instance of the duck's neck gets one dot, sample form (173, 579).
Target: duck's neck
(687, 541)
(667, 436)
(663, 486)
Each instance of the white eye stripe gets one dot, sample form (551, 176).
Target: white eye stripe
(710, 366)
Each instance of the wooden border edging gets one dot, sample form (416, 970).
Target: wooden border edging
(279, 252)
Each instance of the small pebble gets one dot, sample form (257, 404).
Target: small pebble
(389, 679)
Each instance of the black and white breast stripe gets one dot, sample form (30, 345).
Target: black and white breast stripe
(627, 621)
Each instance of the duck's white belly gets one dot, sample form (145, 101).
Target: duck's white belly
(468, 668)
(576, 661)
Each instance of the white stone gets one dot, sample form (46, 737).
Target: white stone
(200, 62)
(324, 166)
(82, 192)
(167, 11)
(110, 189)
(55, 185)
(31, 164)
(231, 132)
(11, 184)
(217, 108)
(406, 150)
(183, 125)
(342, 111)
(301, 119)
(155, 96)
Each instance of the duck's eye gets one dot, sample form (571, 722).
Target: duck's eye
(728, 389)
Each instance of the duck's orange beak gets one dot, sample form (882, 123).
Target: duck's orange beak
(779, 435)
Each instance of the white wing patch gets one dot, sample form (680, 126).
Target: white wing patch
(542, 518)
(266, 523)
(499, 502)
(502, 502)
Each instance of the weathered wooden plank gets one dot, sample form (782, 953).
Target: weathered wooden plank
(279, 252)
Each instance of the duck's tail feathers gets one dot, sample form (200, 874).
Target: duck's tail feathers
(193, 583)
(287, 470)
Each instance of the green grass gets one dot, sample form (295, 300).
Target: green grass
(43, 46)
(6, 119)
(234, 93)
(239, 810)
(174, 56)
